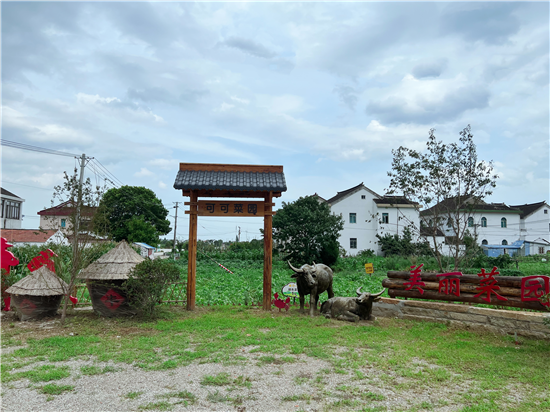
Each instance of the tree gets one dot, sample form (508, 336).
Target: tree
(83, 199)
(132, 213)
(448, 182)
(305, 230)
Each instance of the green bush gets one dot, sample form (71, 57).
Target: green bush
(148, 282)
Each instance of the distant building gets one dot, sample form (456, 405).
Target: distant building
(59, 217)
(146, 250)
(367, 214)
(34, 237)
(12, 210)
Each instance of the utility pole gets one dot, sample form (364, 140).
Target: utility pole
(175, 228)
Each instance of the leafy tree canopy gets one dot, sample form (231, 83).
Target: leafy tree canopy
(133, 213)
(306, 231)
(447, 181)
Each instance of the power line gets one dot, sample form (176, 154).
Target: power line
(22, 146)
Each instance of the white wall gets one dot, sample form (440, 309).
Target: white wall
(364, 230)
(494, 233)
(536, 225)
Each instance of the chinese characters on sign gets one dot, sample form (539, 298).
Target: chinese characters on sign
(44, 259)
(450, 286)
(533, 287)
(230, 208)
(369, 268)
(415, 279)
(488, 285)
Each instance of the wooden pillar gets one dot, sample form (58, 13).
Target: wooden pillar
(192, 255)
(268, 244)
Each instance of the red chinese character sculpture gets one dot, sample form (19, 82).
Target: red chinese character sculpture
(450, 286)
(43, 260)
(533, 287)
(415, 279)
(7, 260)
(488, 285)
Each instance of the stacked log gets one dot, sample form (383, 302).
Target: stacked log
(510, 288)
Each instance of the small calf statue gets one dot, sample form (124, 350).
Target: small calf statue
(351, 309)
(312, 280)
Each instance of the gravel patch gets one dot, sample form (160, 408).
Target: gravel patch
(304, 385)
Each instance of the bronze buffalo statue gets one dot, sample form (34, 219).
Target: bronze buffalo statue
(312, 281)
(351, 309)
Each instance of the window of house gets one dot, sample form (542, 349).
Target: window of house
(483, 222)
(62, 222)
(353, 217)
(470, 222)
(503, 222)
(504, 242)
(449, 222)
(484, 242)
(2, 211)
(541, 250)
(364, 197)
(385, 218)
(12, 209)
(545, 211)
(353, 243)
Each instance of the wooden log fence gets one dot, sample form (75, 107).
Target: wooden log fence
(469, 289)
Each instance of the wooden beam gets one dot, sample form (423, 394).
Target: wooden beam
(192, 255)
(230, 193)
(216, 167)
(268, 254)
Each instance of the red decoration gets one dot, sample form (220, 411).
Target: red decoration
(43, 260)
(450, 286)
(488, 285)
(7, 260)
(415, 279)
(279, 303)
(112, 300)
(73, 299)
(533, 287)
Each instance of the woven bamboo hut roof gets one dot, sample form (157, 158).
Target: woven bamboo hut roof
(115, 264)
(42, 282)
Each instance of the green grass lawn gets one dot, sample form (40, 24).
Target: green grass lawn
(423, 354)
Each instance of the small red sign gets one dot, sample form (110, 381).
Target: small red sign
(450, 286)
(112, 300)
(27, 307)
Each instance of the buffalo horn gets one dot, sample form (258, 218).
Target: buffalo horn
(294, 269)
(314, 268)
(358, 291)
(378, 294)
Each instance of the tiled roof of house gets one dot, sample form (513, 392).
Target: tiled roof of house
(8, 193)
(527, 209)
(452, 204)
(66, 209)
(27, 235)
(341, 195)
(394, 200)
(230, 177)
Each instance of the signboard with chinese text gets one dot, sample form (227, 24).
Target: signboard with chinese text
(369, 268)
(484, 287)
(230, 208)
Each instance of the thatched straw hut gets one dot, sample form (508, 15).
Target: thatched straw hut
(38, 295)
(104, 279)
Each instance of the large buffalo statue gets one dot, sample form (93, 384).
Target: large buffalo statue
(312, 280)
(351, 309)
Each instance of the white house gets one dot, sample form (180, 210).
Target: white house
(534, 222)
(12, 210)
(367, 214)
(146, 250)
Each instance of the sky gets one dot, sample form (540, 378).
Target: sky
(325, 89)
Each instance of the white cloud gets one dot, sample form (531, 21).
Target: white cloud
(162, 185)
(166, 164)
(93, 99)
(143, 172)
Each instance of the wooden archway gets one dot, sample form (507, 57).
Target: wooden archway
(198, 180)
